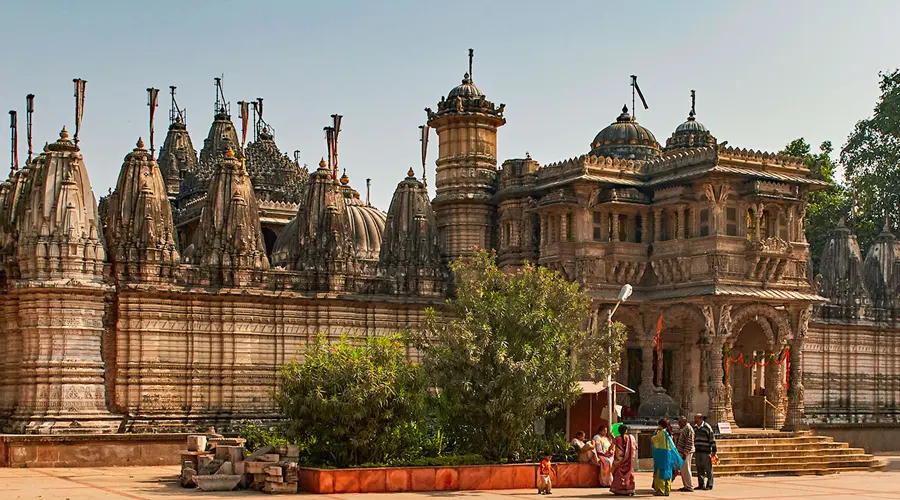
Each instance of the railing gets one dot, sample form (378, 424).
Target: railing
(767, 402)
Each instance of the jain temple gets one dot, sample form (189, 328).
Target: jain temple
(171, 303)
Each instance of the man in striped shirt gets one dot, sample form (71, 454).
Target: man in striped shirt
(705, 449)
(685, 447)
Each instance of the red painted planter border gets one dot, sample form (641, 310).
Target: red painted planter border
(461, 478)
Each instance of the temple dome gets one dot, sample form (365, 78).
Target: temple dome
(466, 89)
(691, 125)
(366, 224)
(690, 134)
(627, 139)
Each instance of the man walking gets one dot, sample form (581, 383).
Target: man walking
(705, 450)
(685, 447)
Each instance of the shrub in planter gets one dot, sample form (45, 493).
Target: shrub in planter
(350, 404)
(501, 352)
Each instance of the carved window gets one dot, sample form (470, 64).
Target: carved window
(731, 221)
(765, 225)
(623, 228)
(704, 222)
(570, 228)
(598, 226)
(507, 234)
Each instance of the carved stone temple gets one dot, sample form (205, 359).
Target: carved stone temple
(172, 303)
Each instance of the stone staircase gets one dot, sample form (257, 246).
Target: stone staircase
(789, 454)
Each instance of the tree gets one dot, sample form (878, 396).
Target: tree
(871, 158)
(501, 353)
(826, 207)
(354, 404)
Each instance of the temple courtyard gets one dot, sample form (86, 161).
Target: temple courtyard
(152, 483)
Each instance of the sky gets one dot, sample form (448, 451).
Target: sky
(765, 72)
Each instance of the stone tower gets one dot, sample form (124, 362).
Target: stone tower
(466, 124)
(53, 340)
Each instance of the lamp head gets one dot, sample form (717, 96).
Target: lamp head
(624, 293)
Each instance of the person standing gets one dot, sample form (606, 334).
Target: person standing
(705, 450)
(666, 459)
(685, 447)
(624, 450)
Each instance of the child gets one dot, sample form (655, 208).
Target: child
(544, 485)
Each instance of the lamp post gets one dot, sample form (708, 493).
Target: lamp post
(624, 293)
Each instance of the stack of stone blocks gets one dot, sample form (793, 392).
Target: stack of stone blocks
(216, 463)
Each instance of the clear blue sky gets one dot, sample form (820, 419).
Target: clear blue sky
(765, 72)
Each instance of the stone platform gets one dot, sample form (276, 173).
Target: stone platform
(161, 483)
(90, 450)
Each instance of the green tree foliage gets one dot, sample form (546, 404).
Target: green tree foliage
(500, 354)
(354, 404)
(826, 207)
(871, 158)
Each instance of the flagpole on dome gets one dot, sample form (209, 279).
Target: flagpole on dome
(635, 89)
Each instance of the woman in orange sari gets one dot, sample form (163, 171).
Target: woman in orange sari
(604, 450)
(625, 447)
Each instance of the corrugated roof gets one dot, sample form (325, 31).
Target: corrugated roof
(733, 291)
(766, 174)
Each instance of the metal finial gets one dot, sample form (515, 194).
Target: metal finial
(14, 142)
(471, 55)
(368, 191)
(693, 103)
(79, 106)
(152, 96)
(29, 110)
(423, 138)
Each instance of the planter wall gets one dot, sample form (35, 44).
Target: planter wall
(462, 478)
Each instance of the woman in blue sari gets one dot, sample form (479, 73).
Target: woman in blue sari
(666, 459)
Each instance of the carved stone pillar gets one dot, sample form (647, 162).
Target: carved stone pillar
(717, 390)
(794, 419)
(544, 235)
(645, 227)
(615, 226)
(687, 382)
(774, 384)
(679, 214)
(657, 224)
(647, 384)
(564, 227)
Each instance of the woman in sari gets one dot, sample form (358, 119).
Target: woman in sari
(624, 451)
(666, 459)
(603, 448)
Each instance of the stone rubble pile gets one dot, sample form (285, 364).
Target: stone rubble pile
(215, 463)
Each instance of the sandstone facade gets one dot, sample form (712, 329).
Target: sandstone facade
(173, 303)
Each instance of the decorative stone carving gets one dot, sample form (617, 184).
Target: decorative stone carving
(410, 257)
(138, 220)
(230, 248)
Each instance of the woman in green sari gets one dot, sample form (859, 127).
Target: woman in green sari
(666, 459)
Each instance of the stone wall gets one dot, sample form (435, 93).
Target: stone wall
(187, 360)
(851, 372)
(874, 438)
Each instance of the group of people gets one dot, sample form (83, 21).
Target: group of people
(671, 459)
(615, 456)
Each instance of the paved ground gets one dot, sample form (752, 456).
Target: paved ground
(158, 483)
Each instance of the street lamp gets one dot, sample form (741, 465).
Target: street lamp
(624, 293)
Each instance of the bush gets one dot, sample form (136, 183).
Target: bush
(501, 354)
(257, 436)
(352, 404)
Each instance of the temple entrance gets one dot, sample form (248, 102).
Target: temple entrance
(751, 385)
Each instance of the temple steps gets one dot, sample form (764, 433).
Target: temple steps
(789, 454)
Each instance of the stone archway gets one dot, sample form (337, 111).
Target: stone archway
(756, 328)
(686, 324)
